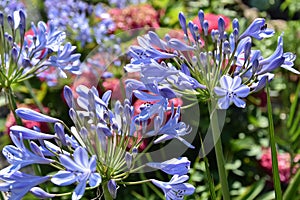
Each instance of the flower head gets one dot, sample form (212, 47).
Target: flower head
(175, 188)
(80, 169)
(19, 183)
(231, 90)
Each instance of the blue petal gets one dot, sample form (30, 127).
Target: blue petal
(239, 102)
(28, 114)
(236, 82)
(40, 193)
(178, 45)
(95, 179)
(29, 134)
(68, 163)
(226, 82)
(63, 178)
(79, 190)
(81, 157)
(242, 91)
(224, 102)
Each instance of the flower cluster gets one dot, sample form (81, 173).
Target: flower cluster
(9, 6)
(101, 147)
(27, 55)
(85, 23)
(212, 64)
(135, 16)
(286, 167)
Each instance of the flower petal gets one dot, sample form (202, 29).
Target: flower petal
(81, 157)
(224, 102)
(226, 81)
(28, 114)
(63, 178)
(242, 91)
(79, 190)
(238, 102)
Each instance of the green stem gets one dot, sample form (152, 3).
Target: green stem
(207, 172)
(13, 107)
(218, 150)
(276, 178)
(106, 193)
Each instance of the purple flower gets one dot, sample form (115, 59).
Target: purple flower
(175, 188)
(172, 129)
(29, 134)
(19, 183)
(257, 29)
(231, 90)
(40, 193)
(29, 114)
(19, 156)
(174, 166)
(112, 188)
(80, 169)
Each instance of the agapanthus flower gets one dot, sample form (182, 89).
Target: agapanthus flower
(179, 166)
(202, 72)
(231, 90)
(27, 55)
(19, 183)
(19, 156)
(175, 188)
(74, 18)
(80, 169)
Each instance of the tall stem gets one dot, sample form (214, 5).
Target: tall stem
(106, 193)
(276, 178)
(13, 105)
(218, 150)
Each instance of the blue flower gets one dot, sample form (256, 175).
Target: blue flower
(29, 134)
(231, 90)
(40, 193)
(175, 188)
(174, 166)
(257, 29)
(29, 114)
(112, 188)
(19, 156)
(19, 183)
(172, 129)
(80, 169)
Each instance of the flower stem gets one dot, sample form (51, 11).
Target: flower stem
(276, 178)
(218, 150)
(13, 105)
(106, 193)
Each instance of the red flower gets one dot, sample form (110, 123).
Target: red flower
(284, 164)
(212, 21)
(135, 16)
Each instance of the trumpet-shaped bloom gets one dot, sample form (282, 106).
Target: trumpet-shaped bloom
(175, 188)
(172, 129)
(19, 156)
(29, 114)
(80, 169)
(174, 166)
(231, 90)
(19, 183)
(258, 29)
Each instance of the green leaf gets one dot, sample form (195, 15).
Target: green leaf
(293, 187)
(276, 179)
(252, 191)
